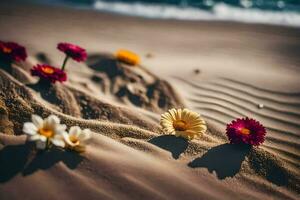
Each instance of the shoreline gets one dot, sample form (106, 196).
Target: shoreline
(220, 12)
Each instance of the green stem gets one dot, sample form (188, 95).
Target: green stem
(64, 63)
(47, 144)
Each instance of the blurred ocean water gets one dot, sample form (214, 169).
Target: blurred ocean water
(280, 12)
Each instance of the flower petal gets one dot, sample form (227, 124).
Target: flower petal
(67, 139)
(29, 128)
(247, 131)
(59, 129)
(34, 137)
(52, 120)
(75, 131)
(43, 138)
(58, 142)
(37, 121)
(192, 125)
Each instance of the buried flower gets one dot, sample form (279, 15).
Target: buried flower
(77, 138)
(128, 57)
(184, 123)
(246, 131)
(11, 51)
(72, 51)
(45, 132)
(49, 73)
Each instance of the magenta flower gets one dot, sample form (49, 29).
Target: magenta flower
(49, 73)
(11, 51)
(247, 131)
(72, 51)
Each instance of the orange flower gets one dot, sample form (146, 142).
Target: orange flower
(128, 57)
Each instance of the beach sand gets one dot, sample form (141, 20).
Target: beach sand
(222, 70)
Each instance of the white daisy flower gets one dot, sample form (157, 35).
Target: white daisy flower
(77, 138)
(45, 131)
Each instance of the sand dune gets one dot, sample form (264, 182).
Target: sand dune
(215, 98)
(150, 159)
(129, 157)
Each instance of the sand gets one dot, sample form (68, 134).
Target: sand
(221, 70)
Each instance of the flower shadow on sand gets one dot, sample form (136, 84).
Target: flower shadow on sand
(176, 145)
(13, 159)
(45, 160)
(57, 94)
(105, 63)
(225, 159)
(47, 91)
(6, 66)
(21, 159)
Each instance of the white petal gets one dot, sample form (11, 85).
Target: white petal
(65, 135)
(60, 135)
(37, 121)
(60, 128)
(40, 144)
(67, 139)
(85, 135)
(34, 137)
(58, 142)
(29, 128)
(52, 120)
(43, 138)
(75, 131)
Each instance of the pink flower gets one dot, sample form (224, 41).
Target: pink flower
(12, 51)
(247, 131)
(75, 52)
(49, 73)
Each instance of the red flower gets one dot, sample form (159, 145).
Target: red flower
(49, 73)
(11, 51)
(75, 52)
(247, 131)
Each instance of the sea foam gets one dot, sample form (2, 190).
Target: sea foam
(219, 11)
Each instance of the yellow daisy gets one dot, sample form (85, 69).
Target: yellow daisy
(183, 122)
(128, 57)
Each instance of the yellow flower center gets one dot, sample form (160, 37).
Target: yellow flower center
(245, 131)
(180, 125)
(7, 50)
(46, 132)
(48, 70)
(74, 140)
